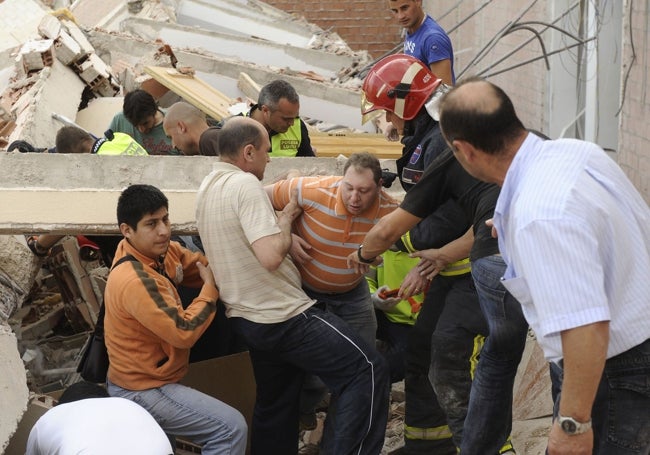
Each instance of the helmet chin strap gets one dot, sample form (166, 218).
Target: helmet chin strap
(433, 104)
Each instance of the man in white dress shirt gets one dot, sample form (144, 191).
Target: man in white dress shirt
(575, 235)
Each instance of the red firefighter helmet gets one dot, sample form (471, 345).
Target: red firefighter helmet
(400, 84)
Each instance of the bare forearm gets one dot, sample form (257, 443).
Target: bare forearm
(585, 351)
(458, 249)
(387, 231)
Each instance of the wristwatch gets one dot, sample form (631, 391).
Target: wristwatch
(362, 259)
(571, 426)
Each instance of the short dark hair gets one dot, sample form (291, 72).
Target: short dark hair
(237, 133)
(138, 105)
(82, 390)
(364, 160)
(136, 201)
(70, 139)
(487, 128)
(209, 142)
(274, 91)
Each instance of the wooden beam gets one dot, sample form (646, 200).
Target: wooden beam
(335, 144)
(194, 90)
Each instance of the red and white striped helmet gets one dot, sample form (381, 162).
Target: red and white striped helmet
(400, 84)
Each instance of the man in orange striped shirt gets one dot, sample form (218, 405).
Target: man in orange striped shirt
(338, 211)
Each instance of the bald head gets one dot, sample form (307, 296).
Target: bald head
(184, 124)
(480, 113)
(245, 143)
(238, 132)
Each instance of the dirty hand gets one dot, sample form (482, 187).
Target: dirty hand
(560, 443)
(383, 304)
(206, 274)
(413, 284)
(427, 269)
(353, 263)
(433, 262)
(298, 250)
(292, 210)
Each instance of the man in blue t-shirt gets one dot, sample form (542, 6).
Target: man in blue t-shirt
(425, 39)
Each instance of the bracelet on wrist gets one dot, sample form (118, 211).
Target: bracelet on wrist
(362, 259)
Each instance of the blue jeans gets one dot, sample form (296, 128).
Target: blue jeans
(319, 343)
(489, 416)
(621, 412)
(183, 411)
(354, 307)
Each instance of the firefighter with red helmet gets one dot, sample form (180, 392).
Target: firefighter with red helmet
(444, 343)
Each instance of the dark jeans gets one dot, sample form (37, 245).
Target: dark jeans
(319, 343)
(621, 411)
(489, 416)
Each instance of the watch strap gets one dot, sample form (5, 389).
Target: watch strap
(362, 259)
(571, 426)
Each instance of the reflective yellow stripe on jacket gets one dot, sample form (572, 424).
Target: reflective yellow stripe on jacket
(454, 269)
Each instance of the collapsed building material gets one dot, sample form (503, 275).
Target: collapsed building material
(36, 55)
(13, 384)
(57, 89)
(80, 297)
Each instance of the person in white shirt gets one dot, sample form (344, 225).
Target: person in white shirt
(87, 420)
(575, 235)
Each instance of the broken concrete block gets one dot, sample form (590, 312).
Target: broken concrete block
(18, 268)
(79, 36)
(58, 89)
(68, 50)
(97, 75)
(92, 69)
(36, 55)
(49, 27)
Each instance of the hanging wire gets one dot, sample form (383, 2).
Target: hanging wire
(528, 41)
(534, 59)
(545, 54)
(490, 45)
(630, 65)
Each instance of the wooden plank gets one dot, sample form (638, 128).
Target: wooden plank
(335, 144)
(248, 86)
(194, 90)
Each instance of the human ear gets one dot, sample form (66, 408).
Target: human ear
(465, 149)
(126, 230)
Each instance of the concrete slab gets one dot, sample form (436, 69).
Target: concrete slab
(242, 47)
(78, 193)
(13, 386)
(251, 18)
(94, 14)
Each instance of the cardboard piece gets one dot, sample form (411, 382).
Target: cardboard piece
(229, 379)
